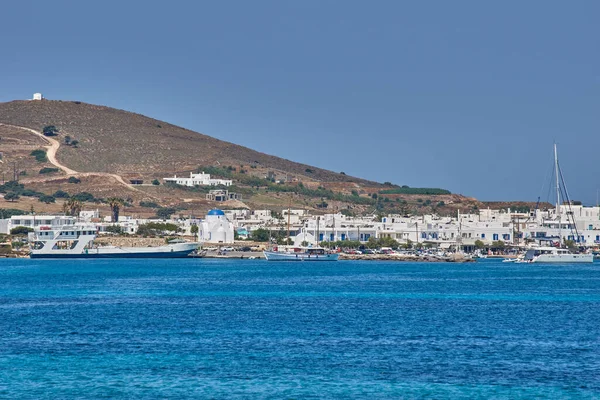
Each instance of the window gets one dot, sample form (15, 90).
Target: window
(495, 236)
(483, 235)
(506, 236)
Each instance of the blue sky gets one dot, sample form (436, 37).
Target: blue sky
(463, 95)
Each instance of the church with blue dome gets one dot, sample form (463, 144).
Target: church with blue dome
(216, 228)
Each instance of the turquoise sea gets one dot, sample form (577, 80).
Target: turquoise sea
(204, 328)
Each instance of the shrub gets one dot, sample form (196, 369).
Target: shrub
(156, 182)
(84, 196)
(408, 190)
(47, 170)
(40, 155)
(50, 130)
(165, 212)
(116, 229)
(73, 179)
(59, 194)
(20, 230)
(149, 204)
(11, 196)
(47, 199)
(156, 228)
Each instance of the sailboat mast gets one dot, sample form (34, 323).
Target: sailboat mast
(288, 227)
(557, 195)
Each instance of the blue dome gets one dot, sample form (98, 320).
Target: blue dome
(216, 212)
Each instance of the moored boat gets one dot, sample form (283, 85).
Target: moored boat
(77, 241)
(556, 255)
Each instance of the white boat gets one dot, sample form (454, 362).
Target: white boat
(77, 241)
(560, 255)
(301, 254)
(555, 255)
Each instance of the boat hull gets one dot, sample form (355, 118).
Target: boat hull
(277, 256)
(563, 258)
(170, 251)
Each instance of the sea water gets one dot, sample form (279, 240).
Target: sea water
(203, 328)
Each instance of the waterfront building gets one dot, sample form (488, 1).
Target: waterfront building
(33, 221)
(215, 228)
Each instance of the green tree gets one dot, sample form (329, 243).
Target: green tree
(156, 228)
(47, 199)
(260, 235)
(11, 196)
(165, 212)
(498, 245)
(73, 179)
(116, 229)
(60, 194)
(74, 143)
(67, 140)
(40, 155)
(50, 130)
(194, 230)
(479, 244)
(156, 182)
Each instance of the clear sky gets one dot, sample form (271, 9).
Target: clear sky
(463, 95)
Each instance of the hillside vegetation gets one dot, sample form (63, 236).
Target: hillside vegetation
(101, 148)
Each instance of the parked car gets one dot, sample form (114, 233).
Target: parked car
(212, 248)
(227, 248)
(245, 248)
(352, 251)
(368, 251)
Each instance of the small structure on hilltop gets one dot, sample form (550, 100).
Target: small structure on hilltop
(38, 96)
(222, 195)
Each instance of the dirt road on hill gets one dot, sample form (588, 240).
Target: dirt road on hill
(52, 148)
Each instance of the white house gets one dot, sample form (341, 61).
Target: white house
(34, 221)
(200, 179)
(37, 96)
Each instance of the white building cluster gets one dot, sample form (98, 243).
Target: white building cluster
(200, 179)
(546, 227)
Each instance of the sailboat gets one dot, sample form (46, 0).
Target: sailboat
(299, 253)
(557, 254)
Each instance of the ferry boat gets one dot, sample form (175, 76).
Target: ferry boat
(301, 254)
(555, 255)
(77, 241)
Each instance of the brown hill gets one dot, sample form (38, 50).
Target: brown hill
(116, 146)
(130, 144)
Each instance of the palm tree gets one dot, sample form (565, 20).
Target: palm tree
(115, 204)
(72, 207)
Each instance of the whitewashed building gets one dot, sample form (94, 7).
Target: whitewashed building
(215, 228)
(200, 179)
